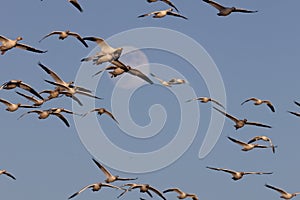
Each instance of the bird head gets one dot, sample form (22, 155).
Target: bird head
(19, 38)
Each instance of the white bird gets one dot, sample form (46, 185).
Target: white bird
(95, 187)
(11, 107)
(163, 13)
(163, 82)
(182, 195)
(107, 53)
(259, 102)
(249, 146)
(284, 194)
(264, 138)
(224, 11)
(101, 111)
(237, 175)
(109, 177)
(239, 123)
(205, 100)
(64, 34)
(143, 188)
(8, 44)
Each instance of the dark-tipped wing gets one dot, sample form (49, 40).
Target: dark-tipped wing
(147, 14)
(173, 190)
(258, 124)
(237, 141)
(52, 33)
(9, 175)
(295, 113)
(244, 10)
(227, 115)
(55, 77)
(176, 14)
(157, 192)
(76, 193)
(60, 116)
(29, 48)
(76, 5)
(79, 38)
(250, 99)
(222, 169)
(297, 103)
(103, 169)
(139, 74)
(29, 89)
(111, 115)
(216, 102)
(215, 4)
(170, 4)
(275, 188)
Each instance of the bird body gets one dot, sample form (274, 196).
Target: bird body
(163, 13)
(284, 194)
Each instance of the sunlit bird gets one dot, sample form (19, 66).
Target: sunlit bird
(36, 102)
(43, 114)
(259, 102)
(101, 111)
(11, 107)
(109, 177)
(239, 123)
(163, 13)
(284, 194)
(144, 188)
(107, 53)
(163, 82)
(205, 100)
(20, 84)
(237, 175)
(182, 195)
(95, 187)
(250, 146)
(64, 34)
(263, 138)
(224, 11)
(8, 44)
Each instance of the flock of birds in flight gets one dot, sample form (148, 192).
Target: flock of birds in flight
(117, 68)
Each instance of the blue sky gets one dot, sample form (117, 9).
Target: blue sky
(256, 55)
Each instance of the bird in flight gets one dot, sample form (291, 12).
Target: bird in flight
(284, 194)
(264, 138)
(249, 146)
(163, 13)
(95, 187)
(237, 175)
(8, 44)
(259, 102)
(182, 195)
(101, 111)
(3, 171)
(239, 123)
(109, 177)
(64, 34)
(107, 53)
(143, 188)
(11, 107)
(205, 100)
(224, 11)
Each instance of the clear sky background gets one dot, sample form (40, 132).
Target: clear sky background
(256, 54)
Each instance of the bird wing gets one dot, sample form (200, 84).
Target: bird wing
(30, 89)
(157, 192)
(27, 97)
(170, 4)
(139, 74)
(29, 48)
(297, 103)
(237, 141)
(111, 115)
(147, 14)
(76, 4)
(173, 190)
(79, 38)
(87, 94)
(32, 111)
(277, 189)
(112, 186)
(103, 169)
(76, 193)
(9, 175)
(244, 10)
(259, 173)
(7, 103)
(269, 104)
(227, 115)
(55, 77)
(215, 4)
(258, 124)
(176, 14)
(254, 139)
(216, 102)
(104, 46)
(60, 116)
(222, 169)
(3, 39)
(295, 113)
(250, 99)
(52, 33)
